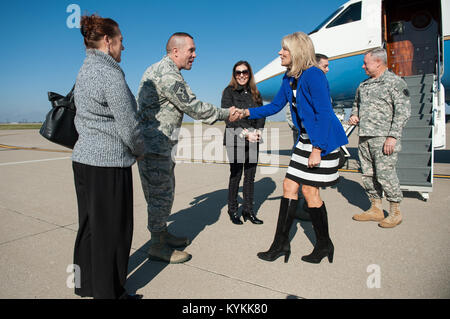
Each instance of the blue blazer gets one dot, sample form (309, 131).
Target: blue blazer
(314, 109)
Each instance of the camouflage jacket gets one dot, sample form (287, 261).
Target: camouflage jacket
(382, 105)
(163, 98)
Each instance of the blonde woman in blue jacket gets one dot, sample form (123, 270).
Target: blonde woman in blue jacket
(314, 162)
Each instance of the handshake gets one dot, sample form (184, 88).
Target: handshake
(237, 114)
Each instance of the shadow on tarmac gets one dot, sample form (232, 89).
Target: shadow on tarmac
(351, 191)
(204, 211)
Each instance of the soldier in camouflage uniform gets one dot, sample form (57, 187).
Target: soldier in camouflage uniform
(163, 98)
(381, 108)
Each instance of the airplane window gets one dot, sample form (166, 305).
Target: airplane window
(331, 16)
(351, 14)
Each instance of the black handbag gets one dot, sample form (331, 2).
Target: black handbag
(59, 126)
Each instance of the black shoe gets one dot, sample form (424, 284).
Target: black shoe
(321, 250)
(281, 245)
(275, 251)
(235, 218)
(324, 246)
(250, 215)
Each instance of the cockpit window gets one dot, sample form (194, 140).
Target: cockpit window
(351, 14)
(331, 16)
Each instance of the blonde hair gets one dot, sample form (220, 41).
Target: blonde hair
(302, 52)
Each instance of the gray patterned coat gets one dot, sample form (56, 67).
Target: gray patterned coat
(106, 120)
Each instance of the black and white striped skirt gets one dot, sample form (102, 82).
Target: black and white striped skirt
(324, 174)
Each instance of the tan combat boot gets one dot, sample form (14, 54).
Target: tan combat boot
(394, 218)
(374, 213)
(174, 241)
(160, 248)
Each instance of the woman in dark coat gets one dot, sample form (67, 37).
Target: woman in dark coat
(242, 140)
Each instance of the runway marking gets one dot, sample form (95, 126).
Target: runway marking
(35, 161)
(33, 149)
(176, 159)
(284, 166)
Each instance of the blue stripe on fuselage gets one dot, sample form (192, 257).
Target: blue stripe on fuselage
(269, 88)
(344, 77)
(445, 80)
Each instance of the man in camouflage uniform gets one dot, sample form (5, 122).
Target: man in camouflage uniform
(381, 108)
(163, 98)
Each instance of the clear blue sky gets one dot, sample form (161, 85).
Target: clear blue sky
(41, 53)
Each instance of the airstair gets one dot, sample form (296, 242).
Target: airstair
(415, 161)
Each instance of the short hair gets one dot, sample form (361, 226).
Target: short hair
(320, 56)
(175, 40)
(301, 48)
(378, 53)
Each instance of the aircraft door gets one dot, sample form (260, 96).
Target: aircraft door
(411, 31)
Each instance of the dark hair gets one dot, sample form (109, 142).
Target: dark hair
(175, 39)
(94, 28)
(182, 34)
(251, 81)
(320, 57)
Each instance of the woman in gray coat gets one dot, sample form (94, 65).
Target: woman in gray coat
(109, 143)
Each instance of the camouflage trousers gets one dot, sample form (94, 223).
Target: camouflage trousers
(378, 169)
(158, 183)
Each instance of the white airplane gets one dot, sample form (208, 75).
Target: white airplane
(416, 36)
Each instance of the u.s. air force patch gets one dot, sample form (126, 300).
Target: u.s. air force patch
(180, 91)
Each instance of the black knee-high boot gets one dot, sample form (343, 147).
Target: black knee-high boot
(233, 188)
(324, 247)
(248, 194)
(281, 245)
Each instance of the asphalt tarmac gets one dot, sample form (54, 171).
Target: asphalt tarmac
(38, 211)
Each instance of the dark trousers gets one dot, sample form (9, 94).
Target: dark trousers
(103, 243)
(248, 165)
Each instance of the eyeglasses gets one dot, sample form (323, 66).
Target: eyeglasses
(244, 72)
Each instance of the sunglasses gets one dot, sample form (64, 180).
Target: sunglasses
(244, 72)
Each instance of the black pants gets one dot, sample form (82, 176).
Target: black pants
(248, 164)
(103, 243)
